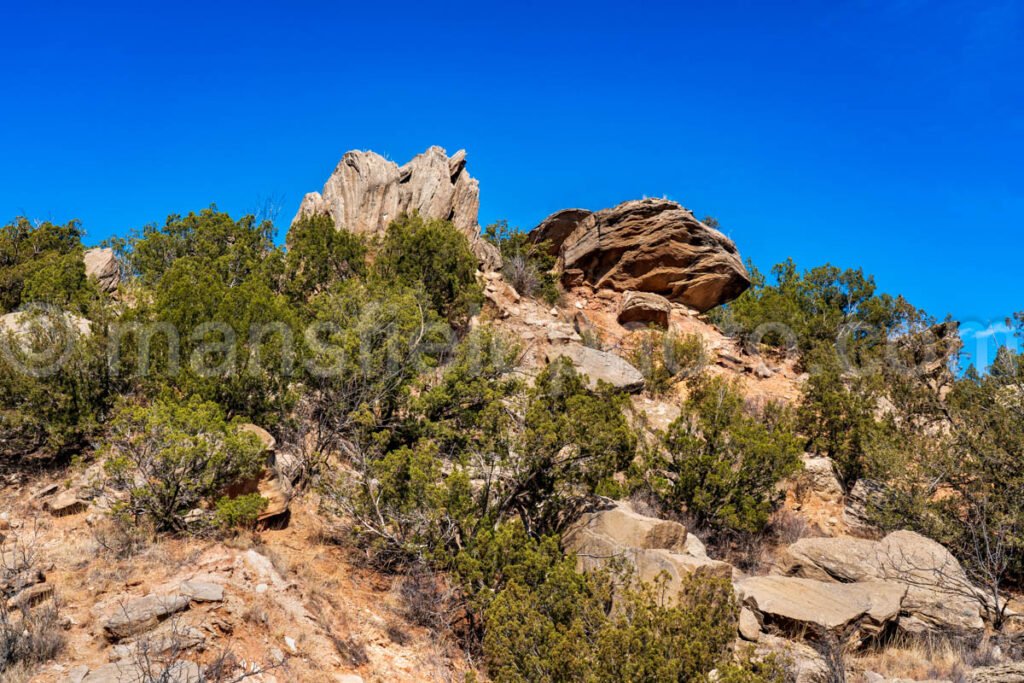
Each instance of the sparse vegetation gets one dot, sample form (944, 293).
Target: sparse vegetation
(457, 474)
(528, 265)
(173, 457)
(665, 358)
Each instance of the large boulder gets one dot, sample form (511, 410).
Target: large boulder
(600, 366)
(651, 546)
(647, 245)
(644, 308)
(798, 605)
(101, 265)
(367, 192)
(624, 526)
(939, 594)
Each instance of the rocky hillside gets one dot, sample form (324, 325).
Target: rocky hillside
(388, 520)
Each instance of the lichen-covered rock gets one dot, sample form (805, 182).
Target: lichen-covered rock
(64, 504)
(142, 614)
(647, 245)
(1011, 672)
(818, 479)
(367, 192)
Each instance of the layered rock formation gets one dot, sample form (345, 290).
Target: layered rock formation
(795, 604)
(644, 308)
(939, 593)
(366, 192)
(652, 546)
(647, 245)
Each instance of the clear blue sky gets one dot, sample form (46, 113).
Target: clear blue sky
(888, 135)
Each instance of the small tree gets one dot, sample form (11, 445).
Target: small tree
(432, 255)
(725, 458)
(665, 358)
(528, 265)
(573, 441)
(549, 623)
(319, 255)
(838, 414)
(958, 472)
(43, 263)
(172, 457)
(55, 390)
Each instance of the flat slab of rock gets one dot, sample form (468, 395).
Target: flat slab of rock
(600, 366)
(795, 603)
(938, 590)
(142, 614)
(65, 504)
(202, 591)
(647, 245)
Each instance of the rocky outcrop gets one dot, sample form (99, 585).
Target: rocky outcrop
(600, 366)
(101, 265)
(796, 605)
(272, 483)
(818, 479)
(644, 308)
(862, 497)
(647, 245)
(366, 192)
(142, 614)
(939, 594)
(650, 545)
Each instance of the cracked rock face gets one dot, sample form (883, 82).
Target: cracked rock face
(646, 245)
(101, 265)
(366, 192)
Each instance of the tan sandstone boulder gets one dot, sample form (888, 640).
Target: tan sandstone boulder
(796, 604)
(600, 366)
(367, 192)
(647, 245)
(939, 593)
(101, 265)
(652, 546)
(644, 308)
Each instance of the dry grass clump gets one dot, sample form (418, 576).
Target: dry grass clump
(928, 657)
